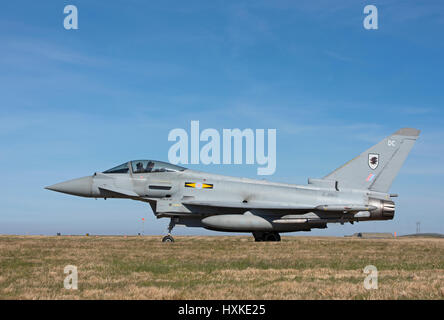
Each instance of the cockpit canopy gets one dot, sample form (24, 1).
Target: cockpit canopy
(145, 166)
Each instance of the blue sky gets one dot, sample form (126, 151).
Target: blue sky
(74, 102)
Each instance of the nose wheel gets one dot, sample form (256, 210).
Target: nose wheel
(169, 237)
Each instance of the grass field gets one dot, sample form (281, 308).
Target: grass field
(229, 267)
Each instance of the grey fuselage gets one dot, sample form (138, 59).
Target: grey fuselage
(356, 191)
(224, 203)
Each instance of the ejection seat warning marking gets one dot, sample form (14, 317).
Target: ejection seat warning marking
(198, 185)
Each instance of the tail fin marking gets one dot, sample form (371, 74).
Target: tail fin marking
(377, 167)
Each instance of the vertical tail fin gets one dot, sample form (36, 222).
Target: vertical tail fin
(376, 168)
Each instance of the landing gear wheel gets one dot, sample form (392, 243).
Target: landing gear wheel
(272, 236)
(258, 236)
(266, 236)
(168, 238)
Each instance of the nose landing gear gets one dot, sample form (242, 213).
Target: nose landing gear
(169, 237)
(266, 236)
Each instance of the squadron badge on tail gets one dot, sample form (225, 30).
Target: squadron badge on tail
(373, 160)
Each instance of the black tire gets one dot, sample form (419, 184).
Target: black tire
(168, 239)
(258, 236)
(272, 236)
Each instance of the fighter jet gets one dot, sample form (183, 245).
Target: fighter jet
(356, 191)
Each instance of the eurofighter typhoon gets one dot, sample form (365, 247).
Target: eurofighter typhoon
(356, 191)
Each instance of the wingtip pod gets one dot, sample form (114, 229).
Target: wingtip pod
(410, 132)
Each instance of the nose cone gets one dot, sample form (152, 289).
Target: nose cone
(77, 187)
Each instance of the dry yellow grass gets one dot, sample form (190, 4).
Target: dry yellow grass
(31, 267)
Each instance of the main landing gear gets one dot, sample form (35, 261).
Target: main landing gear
(266, 236)
(169, 237)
